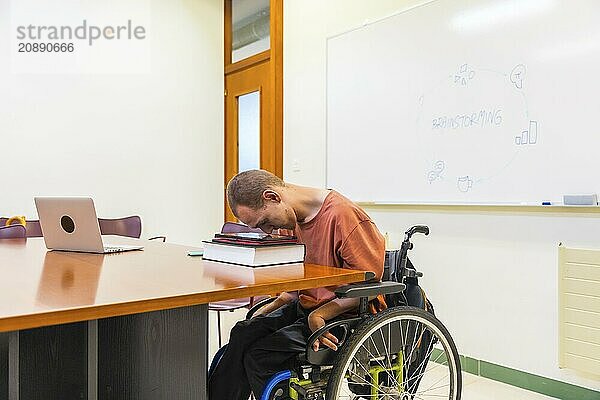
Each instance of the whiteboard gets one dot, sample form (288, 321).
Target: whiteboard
(468, 102)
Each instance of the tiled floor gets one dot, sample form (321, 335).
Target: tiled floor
(474, 387)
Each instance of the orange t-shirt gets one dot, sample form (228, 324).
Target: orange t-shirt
(340, 235)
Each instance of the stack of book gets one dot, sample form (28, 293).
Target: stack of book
(253, 249)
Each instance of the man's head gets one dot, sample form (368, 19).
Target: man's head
(256, 198)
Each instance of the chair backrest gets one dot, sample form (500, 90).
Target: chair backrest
(32, 229)
(234, 227)
(12, 232)
(391, 267)
(127, 226)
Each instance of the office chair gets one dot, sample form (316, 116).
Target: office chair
(32, 227)
(235, 304)
(12, 232)
(126, 226)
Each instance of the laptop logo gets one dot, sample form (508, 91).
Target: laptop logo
(67, 224)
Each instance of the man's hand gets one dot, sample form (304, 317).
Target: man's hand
(328, 311)
(315, 322)
(261, 311)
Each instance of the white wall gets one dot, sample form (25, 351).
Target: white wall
(140, 134)
(491, 275)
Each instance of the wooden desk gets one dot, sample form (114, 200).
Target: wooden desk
(121, 326)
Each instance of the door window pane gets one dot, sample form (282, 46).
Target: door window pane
(251, 28)
(249, 131)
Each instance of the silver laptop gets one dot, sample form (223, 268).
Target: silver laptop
(71, 224)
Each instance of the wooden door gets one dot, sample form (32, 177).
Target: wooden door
(260, 77)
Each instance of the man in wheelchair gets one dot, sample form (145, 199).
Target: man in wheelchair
(336, 233)
(334, 343)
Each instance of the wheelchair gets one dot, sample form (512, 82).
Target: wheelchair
(401, 353)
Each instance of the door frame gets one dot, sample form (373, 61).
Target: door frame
(263, 72)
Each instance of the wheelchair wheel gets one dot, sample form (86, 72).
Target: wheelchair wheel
(402, 353)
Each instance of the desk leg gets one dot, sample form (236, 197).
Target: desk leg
(9, 366)
(4, 365)
(44, 363)
(13, 365)
(203, 311)
(154, 356)
(92, 359)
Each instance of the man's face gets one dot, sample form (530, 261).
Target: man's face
(272, 215)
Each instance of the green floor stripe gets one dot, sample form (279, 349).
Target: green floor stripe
(469, 365)
(536, 383)
(439, 357)
(524, 380)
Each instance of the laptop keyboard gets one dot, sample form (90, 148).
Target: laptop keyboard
(112, 249)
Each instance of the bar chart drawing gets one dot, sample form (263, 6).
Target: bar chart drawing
(528, 137)
(532, 132)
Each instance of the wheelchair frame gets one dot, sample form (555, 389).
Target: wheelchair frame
(327, 363)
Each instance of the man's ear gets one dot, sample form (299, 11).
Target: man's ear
(271, 195)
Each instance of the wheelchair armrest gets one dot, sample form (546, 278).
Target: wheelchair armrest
(325, 356)
(259, 305)
(369, 289)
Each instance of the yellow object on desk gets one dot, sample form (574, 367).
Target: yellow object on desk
(16, 220)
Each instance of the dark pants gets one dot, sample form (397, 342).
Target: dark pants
(259, 348)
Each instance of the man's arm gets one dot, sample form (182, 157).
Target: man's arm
(317, 319)
(363, 249)
(281, 300)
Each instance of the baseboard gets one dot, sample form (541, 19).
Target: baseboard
(521, 379)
